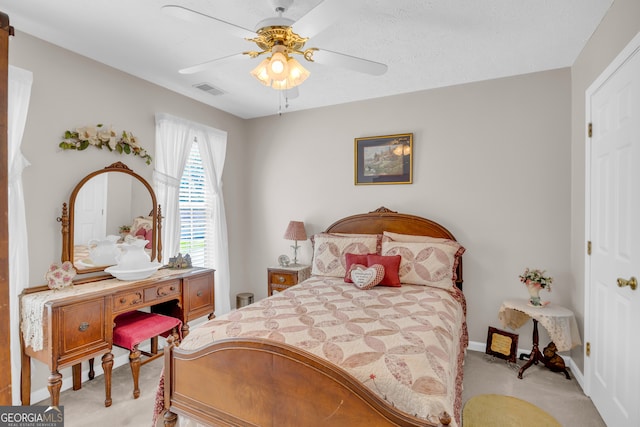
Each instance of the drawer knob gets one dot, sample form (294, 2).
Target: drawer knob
(199, 294)
(123, 300)
(281, 279)
(83, 326)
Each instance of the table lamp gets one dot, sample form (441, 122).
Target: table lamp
(295, 231)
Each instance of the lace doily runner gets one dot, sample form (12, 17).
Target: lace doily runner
(559, 322)
(32, 305)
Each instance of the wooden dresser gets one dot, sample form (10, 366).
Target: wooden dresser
(77, 324)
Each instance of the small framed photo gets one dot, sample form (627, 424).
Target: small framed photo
(502, 344)
(384, 159)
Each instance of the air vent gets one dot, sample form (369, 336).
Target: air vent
(209, 89)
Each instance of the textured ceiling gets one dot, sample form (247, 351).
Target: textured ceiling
(425, 43)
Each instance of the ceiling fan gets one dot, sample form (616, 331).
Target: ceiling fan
(275, 36)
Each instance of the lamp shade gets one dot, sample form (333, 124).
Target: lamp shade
(295, 231)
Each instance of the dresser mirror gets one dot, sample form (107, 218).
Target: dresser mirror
(106, 207)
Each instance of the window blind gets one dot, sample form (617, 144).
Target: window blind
(195, 209)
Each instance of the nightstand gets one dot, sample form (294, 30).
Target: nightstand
(281, 278)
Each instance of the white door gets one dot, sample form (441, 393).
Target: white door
(612, 371)
(90, 210)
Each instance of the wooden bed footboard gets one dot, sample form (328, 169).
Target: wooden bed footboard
(255, 382)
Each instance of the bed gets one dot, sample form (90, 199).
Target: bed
(328, 352)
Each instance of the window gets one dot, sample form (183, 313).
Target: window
(195, 209)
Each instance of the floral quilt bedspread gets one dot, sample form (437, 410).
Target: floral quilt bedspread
(406, 344)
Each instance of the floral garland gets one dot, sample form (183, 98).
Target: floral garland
(98, 136)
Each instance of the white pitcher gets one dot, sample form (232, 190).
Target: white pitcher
(132, 255)
(104, 251)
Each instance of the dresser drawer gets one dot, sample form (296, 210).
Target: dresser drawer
(198, 295)
(127, 301)
(83, 328)
(284, 278)
(163, 290)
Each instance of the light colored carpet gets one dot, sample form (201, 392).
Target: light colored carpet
(561, 398)
(496, 410)
(85, 407)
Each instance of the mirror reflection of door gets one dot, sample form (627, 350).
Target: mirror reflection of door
(90, 220)
(105, 202)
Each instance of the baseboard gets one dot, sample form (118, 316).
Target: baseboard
(575, 372)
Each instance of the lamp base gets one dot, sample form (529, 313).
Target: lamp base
(295, 255)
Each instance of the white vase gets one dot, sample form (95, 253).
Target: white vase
(534, 294)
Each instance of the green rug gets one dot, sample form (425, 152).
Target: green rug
(494, 410)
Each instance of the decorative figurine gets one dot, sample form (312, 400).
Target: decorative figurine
(179, 261)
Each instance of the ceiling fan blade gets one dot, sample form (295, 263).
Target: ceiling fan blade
(209, 64)
(190, 15)
(328, 57)
(322, 16)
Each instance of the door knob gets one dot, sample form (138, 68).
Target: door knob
(632, 283)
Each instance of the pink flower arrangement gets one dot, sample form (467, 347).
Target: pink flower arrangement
(537, 278)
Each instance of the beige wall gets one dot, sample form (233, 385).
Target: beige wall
(70, 91)
(619, 26)
(491, 164)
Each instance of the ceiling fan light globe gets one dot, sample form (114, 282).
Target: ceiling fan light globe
(297, 73)
(279, 84)
(261, 73)
(278, 68)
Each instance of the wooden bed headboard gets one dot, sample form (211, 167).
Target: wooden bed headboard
(383, 219)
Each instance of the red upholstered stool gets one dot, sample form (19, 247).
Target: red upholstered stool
(137, 326)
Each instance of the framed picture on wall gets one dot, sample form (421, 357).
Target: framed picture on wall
(384, 159)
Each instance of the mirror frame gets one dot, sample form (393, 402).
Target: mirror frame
(67, 224)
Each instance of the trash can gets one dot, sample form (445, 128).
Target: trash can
(244, 298)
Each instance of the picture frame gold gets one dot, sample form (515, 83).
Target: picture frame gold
(384, 159)
(502, 344)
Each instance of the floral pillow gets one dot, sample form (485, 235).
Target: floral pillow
(413, 238)
(426, 263)
(60, 276)
(329, 252)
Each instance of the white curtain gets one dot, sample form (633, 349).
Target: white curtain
(19, 92)
(174, 137)
(173, 144)
(213, 151)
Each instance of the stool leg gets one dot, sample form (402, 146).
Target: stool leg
(92, 373)
(134, 362)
